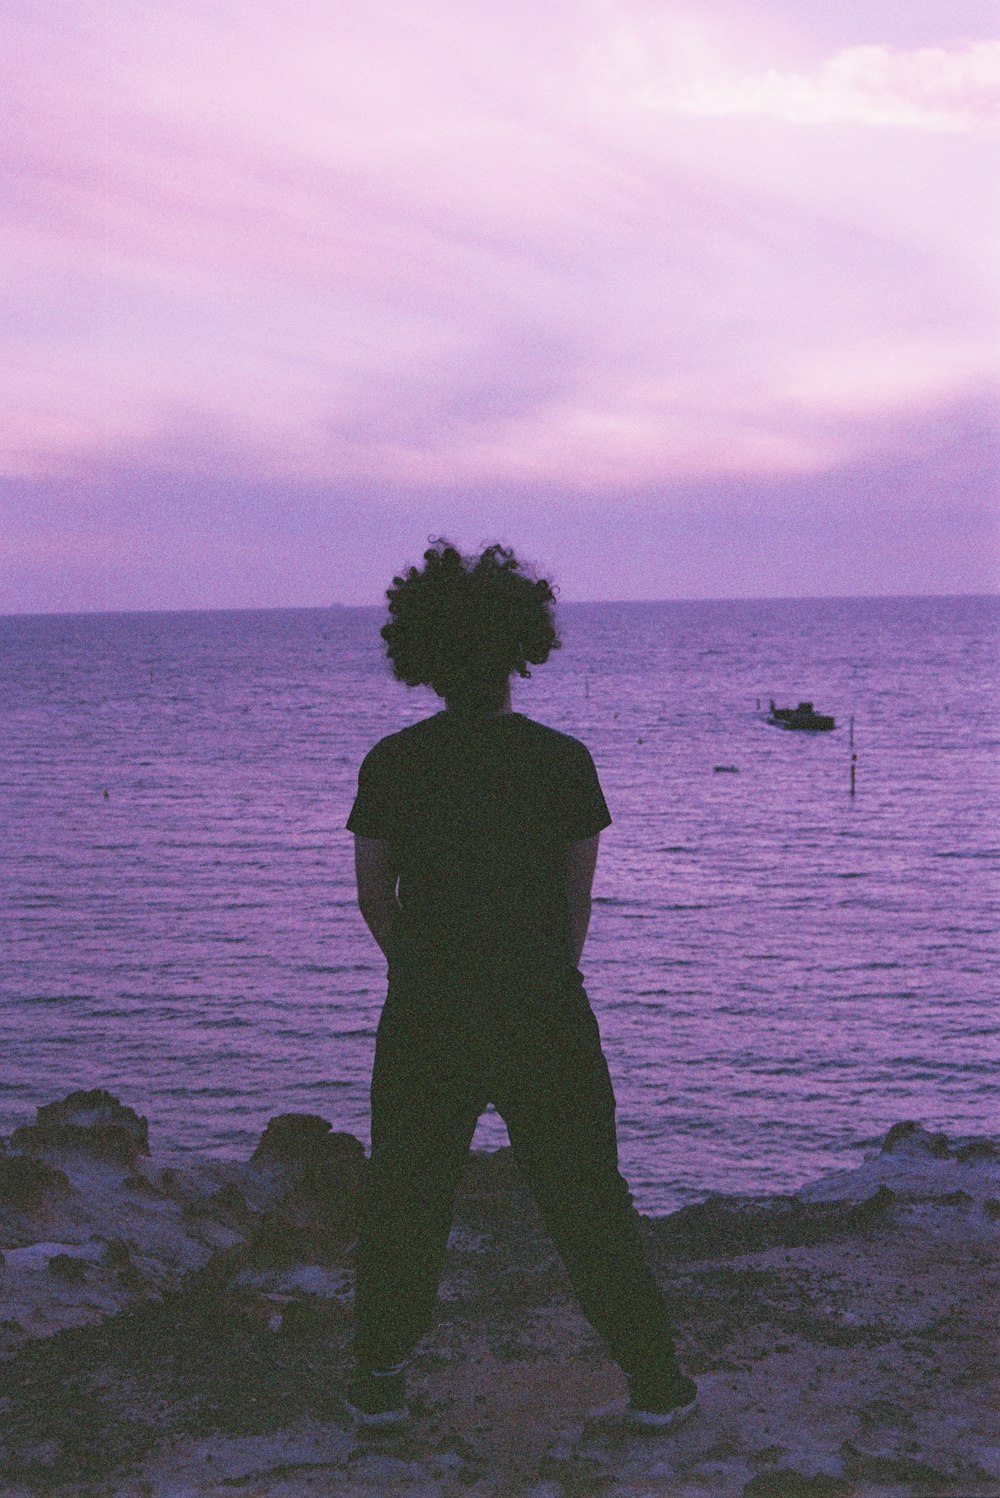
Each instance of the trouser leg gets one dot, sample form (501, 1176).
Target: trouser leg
(424, 1113)
(559, 1107)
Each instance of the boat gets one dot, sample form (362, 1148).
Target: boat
(804, 717)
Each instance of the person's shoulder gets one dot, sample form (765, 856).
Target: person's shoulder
(399, 745)
(552, 741)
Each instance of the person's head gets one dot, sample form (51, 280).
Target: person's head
(464, 625)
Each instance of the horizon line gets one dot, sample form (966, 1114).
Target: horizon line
(336, 607)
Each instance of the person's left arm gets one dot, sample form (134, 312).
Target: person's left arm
(376, 875)
(581, 861)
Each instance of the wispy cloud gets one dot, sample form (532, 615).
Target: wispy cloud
(930, 88)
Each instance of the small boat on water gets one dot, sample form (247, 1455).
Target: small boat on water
(803, 716)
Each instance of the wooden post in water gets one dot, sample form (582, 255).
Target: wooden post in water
(854, 757)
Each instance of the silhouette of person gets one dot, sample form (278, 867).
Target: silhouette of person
(476, 837)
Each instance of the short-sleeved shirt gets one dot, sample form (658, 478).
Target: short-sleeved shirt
(478, 815)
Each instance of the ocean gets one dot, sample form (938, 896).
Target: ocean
(780, 969)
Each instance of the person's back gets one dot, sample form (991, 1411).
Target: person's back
(476, 835)
(478, 813)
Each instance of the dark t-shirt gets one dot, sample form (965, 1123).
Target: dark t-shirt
(478, 816)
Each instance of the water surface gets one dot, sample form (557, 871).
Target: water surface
(780, 970)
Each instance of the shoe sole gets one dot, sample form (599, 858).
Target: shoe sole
(669, 1421)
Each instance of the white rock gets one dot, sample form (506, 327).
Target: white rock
(36, 1256)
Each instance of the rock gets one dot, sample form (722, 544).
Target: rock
(987, 1150)
(170, 1183)
(281, 1241)
(991, 1207)
(723, 1225)
(881, 1412)
(196, 1192)
(226, 1206)
(768, 1455)
(131, 1278)
(116, 1254)
(958, 1198)
(45, 1454)
(325, 1169)
(68, 1268)
(26, 1183)
(230, 1201)
(94, 1122)
(913, 1138)
(783, 1482)
(303, 1141)
(304, 1318)
(142, 1187)
(946, 1476)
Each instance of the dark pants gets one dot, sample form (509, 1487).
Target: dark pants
(445, 1049)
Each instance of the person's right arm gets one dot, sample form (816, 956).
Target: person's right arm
(376, 878)
(581, 861)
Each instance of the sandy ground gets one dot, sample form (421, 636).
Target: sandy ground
(176, 1333)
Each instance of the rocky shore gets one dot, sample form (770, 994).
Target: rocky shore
(172, 1331)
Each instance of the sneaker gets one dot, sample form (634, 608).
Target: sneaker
(661, 1401)
(378, 1398)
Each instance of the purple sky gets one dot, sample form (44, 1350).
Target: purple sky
(681, 299)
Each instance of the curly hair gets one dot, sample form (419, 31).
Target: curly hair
(463, 625)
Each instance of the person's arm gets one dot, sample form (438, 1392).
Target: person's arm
(376, 878)
(581, 861)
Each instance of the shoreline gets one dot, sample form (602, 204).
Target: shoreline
(653, 1199)
(174, 1329)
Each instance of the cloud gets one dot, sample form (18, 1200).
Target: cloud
(929, 88)
(918, 516)
(388, 246)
